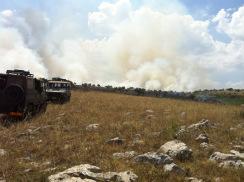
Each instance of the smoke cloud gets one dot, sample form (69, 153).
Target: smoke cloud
(140, 47)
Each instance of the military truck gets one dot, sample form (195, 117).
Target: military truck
(21, 94)
(58, 90)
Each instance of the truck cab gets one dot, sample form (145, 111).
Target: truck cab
(58, 91)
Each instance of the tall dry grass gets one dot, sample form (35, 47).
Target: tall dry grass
(61, 140)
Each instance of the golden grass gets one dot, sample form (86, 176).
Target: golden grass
(62, 141)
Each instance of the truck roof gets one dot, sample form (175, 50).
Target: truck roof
(19, 73)
(53, 81)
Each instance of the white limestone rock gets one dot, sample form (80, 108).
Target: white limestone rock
(203, 124)
(232, 164)
(2, 152)
(202, 138)
(239, 148)
(125, 155)
(92, 127)
(153, 158)
(193, 179)
(116, 141)
(177, 149)
(90, 173)
(220, 157)
(173, 168)
(238, 154)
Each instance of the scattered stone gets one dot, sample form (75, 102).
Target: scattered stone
(220, 157)
(149, 111)
(151, 116)
(22, 134)
(181, 133)
(202, 138)
(207, 147)
(28, 170)
(193, 179)
(137, 137)
(233, 129)
(47, 163)
(2, 152)
(177, 149)
(58, 118)
(203, 124)
(241, 125)
(30, 132)
(173, 168)
(92, 127)
(137, 140)
(153, 158)
(50, 169)
(61, 114)
(234, 164)
(35, 130)
(204, 145)
(128, 113)
(116, 141)
(239, 148)
(194, 130)
(34, 164)
(238, 154)
(219, 179)
(126, 176)
(87, 172)
(67, 146)
(126, 155)
(183, 115)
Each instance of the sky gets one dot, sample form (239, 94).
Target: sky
(211, 7)
(156, 44)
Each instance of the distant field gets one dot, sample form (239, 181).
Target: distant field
(231, 97)
(232, 100)
(58, 139)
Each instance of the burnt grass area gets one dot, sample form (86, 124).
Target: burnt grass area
(59, 139)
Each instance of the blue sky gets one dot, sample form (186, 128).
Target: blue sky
(193, 6)
(199, 9)
(212, 5)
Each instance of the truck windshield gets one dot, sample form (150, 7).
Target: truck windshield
(58, 85)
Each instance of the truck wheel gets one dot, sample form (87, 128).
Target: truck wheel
(43, 108)
(28, 112)
(14, 94)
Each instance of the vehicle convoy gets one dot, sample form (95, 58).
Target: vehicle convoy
(21, 94)
(58, 90)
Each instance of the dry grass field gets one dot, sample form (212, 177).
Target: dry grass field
(58, 139)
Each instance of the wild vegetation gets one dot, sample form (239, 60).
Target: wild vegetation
(223, 96)
(59, 139)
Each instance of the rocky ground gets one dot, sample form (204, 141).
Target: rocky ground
(112, 137)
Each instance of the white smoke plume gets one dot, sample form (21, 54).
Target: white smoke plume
(140, 47)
